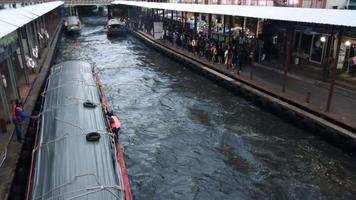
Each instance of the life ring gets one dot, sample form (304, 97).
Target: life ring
(89, 104)
(35, 52)
(93, 136)
(30, 63)
(46, 34)
(40, 35)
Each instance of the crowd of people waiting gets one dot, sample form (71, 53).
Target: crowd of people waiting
(234, 55)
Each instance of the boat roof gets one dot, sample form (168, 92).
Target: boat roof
(116, 21)
(67, 165)
(336, 17)
(72, 19)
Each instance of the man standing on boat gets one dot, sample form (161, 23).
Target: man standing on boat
(114, 123)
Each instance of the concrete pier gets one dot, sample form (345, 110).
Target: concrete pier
(8, 169)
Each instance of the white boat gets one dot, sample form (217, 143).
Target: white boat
(116, 26)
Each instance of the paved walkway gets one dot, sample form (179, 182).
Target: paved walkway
(343, 103)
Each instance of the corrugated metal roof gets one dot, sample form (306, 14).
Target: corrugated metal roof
(6, 28)
(25, 13)
(17, 17)
(67, 166)
(307, 15)
(43, 8)
(14, 18)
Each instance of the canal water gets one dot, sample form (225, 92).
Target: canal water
(184, 137)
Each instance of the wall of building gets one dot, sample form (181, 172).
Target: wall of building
(339, 3)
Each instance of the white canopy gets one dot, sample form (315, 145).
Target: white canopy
(43, 8)
(307, 15)
(6, 28)
(12, 19)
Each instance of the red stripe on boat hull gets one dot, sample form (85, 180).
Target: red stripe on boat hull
(125, 178)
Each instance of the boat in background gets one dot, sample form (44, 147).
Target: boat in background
(116, 27)
(73, 25)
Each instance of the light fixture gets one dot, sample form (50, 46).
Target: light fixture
(322, 39)
(348, 43)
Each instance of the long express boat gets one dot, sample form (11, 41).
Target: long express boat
(75, 155)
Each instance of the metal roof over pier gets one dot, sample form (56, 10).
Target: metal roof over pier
(12, 19)
(307, 15)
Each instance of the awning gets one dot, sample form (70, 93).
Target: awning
(12, 19)
(6, 28)
(306, 15)
(43, 8)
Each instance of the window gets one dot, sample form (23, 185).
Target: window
(305, 43)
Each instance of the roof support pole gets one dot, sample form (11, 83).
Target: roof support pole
(334, 69)
(4, 102)
(244, 24)
(289, 37)
(177, 16)
(164, 22)
(326, 61)
(35, 38)
(183, 21)
(209, 26)
(25, 29)
(224, 28)
(40, 42)
(29, 39)
(109, 11)
(22, 55)
(10, 68)
(195, 24)
(171, 16)
(230, 25)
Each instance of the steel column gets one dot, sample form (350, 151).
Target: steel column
(209, 26)
(12, 76)
(23, 59)
(289, 36)
(195, 23)
(334, 70)
(4, 102)
(230, 25)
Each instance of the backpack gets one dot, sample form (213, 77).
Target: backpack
(215, 51)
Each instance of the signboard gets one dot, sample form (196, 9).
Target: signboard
(158, 30)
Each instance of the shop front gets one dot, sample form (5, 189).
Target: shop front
(347, 57)
(310, 46)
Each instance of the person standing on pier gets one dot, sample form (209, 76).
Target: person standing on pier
(18, 116)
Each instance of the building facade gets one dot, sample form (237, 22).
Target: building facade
(22, 49)
(329, 4)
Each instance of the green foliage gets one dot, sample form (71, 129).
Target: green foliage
(8, 39)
